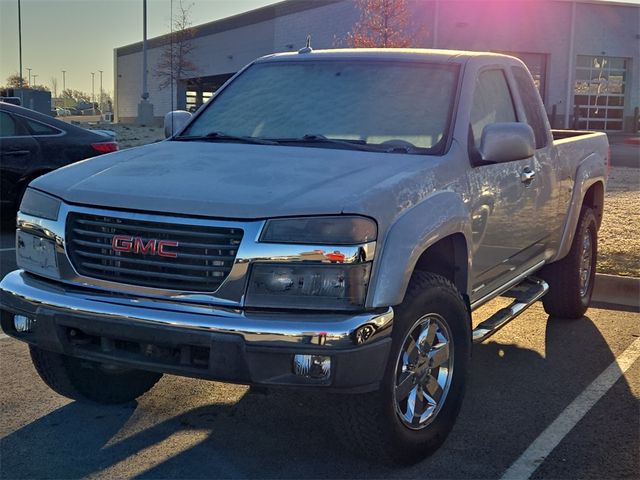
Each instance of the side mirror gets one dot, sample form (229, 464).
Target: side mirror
(507, 142)
(175, 121)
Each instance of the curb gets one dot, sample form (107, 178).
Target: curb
(617, 290)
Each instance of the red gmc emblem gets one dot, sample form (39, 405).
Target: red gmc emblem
(125, 243)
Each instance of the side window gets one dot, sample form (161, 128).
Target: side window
(8, 126)
(38, 128)
(531, 103)
(492, 102)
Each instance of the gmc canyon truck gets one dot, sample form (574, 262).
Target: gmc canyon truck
(328, 221)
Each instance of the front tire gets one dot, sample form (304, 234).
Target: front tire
(571, 279)
(84, 380)
(424, 381)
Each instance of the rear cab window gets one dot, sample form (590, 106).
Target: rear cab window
(531, 103)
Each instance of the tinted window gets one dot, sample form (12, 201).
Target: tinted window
(38, 128)
(7, 125)
(491, 102)
(531, 103)
(373, 102)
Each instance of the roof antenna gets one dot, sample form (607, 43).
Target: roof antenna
(307, 48)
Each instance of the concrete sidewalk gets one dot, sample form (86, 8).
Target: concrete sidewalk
(617, 290)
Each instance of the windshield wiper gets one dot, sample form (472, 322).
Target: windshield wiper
(214, 136)
(317, 138)
(354, 144)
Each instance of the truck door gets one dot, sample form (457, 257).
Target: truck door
(502, 195)
(547, 187)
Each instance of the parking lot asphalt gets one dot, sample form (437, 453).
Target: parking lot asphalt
(522, 379)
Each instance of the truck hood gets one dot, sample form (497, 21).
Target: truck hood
(230, 180)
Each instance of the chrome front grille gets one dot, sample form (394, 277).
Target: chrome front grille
(204, 255)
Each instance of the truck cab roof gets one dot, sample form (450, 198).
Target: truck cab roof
(388, 54)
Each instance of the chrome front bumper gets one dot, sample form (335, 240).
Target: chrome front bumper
(25, 293)
(239, 346)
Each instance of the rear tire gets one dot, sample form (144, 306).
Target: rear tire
(85, 380)
(571, 279)
(382, 425)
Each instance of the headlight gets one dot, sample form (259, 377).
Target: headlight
(337, 230)
(39, 205)
(309, 281)
(330, 287)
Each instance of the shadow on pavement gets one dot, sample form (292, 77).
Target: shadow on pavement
(513, 394)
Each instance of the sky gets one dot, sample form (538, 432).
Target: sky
(79, 35)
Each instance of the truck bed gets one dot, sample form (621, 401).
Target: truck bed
(562, 134)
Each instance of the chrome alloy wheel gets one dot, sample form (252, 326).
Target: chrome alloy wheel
(424, 369)
(586, 263)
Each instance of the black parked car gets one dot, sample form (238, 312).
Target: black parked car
(32, 144)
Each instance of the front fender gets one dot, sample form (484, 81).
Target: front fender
(438, 216)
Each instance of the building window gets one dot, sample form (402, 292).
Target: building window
(537, 65)
(195, 98)
(599, 92)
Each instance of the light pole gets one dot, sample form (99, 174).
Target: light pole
(145, 108)
(34, 78)
(29, 72)
(100, 91)
(20, 41)
(145, 93)
(93, 93)
(64, 83)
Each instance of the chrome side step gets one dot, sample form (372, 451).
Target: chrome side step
(525, 294)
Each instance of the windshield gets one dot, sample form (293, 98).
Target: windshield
(397, 104)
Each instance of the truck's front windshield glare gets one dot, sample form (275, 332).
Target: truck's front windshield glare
(400, 107)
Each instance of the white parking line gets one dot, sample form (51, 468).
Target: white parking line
(7, 249)
(548, 440)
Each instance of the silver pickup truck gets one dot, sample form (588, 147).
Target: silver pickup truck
(328, 221)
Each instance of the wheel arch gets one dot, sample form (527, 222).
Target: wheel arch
(431, 237)
(594, 198)
(589, 188)
(449, 258)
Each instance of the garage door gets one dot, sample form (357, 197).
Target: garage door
(600, 91)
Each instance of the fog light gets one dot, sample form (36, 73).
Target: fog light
(312, 366)
(364, 333)
(23, 324)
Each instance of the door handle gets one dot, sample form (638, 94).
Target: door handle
(17, 152)
(527, 176)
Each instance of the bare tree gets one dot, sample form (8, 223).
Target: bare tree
(76, 95)
(14, 81)
(175, 60)
(54, 86)
(382, 24)
(107, 102)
